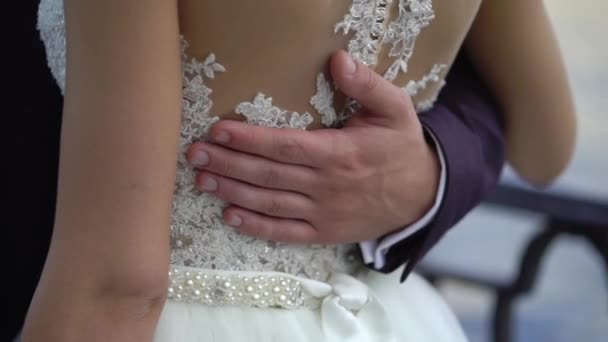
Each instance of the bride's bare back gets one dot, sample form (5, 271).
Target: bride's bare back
(278, 48)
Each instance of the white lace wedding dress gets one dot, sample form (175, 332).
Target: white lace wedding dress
(229, 287)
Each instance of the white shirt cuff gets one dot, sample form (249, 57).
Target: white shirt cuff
(374, 251)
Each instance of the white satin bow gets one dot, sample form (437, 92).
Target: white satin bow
(349, 311)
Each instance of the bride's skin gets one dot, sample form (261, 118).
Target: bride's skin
(513, 45)
(105, 277)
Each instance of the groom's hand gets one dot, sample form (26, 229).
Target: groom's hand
(370, 178)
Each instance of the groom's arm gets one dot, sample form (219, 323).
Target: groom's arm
(466, 126)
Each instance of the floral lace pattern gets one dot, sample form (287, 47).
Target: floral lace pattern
(414, 87)
(368, 19)
(414, 15)
(199, 237)
(323, 101)
(261, 112)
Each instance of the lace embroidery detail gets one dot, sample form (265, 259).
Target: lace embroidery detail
(51, 24)
(196, 96)
(209, 67)
(366, 18)
(199, 237)
(323, 101)
(414, 87)
(426, 105)
(414, 15)
(261, 112)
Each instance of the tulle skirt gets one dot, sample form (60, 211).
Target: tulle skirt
(367, 307)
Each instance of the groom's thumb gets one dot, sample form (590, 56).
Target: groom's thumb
(387, 104)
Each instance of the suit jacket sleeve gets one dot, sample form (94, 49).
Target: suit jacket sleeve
(468, 127)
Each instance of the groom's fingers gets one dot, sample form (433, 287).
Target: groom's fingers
(270, 228)
(250, 169)
(285, 145)
(386, 103)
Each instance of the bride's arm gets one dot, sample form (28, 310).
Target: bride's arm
(106, 273)
(513, 45)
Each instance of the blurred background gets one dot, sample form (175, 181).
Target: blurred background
(569, 301)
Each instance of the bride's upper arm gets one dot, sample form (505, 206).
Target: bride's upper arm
(119, 144)
(513, 45)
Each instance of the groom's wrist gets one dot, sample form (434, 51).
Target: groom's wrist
(374, 251)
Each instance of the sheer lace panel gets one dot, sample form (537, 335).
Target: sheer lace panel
(198, 234)
(414, 15)
(199, 237)
(323, 101)
(414, 87)
(369, 20)
(261, 112)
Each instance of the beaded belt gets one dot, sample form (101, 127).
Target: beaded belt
(257, 289)
(348, 310)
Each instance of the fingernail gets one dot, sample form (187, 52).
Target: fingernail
(234, 220)
(209, 184)
(350, 67)
(200, 158)
(222, 137)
